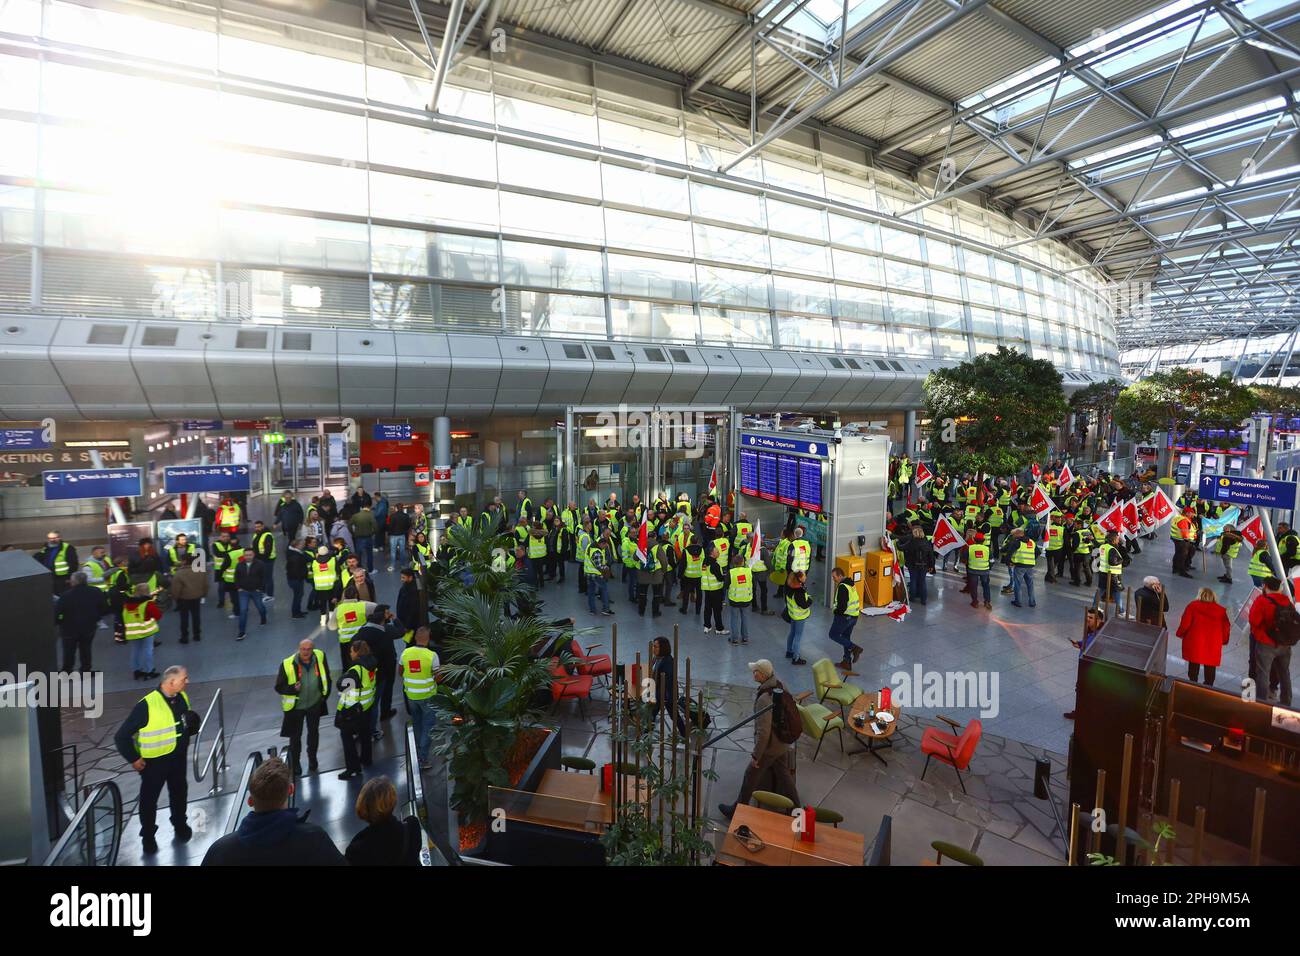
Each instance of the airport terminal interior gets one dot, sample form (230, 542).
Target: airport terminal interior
(649, 432)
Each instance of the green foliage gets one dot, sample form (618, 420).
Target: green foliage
(993, 414)
(1095, 404)
(642, 839)
(1184, 399)
(490, 680)
(1276, 400)
(1163, 831)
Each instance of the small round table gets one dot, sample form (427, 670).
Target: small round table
(862, 706)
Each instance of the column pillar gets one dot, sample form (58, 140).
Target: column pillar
(909, 432)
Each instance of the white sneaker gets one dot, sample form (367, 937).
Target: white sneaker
(724, 633)
(232, 617)
(323, 619)
(708, 630)
(390, 567)
(268, 600)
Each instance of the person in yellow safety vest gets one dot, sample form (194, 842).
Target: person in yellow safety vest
(61, 558)
(1261, 566)
(421, 553)
(1080, 545)
(781, 562)
(740, 595)
(263, 546)
(691, 571)
(228, 516)
(356, 698)
(627, 545)
(712, 580)
(740, 539)
(684, 505)
(798, 607)
(571, 519)
(140, 617)
(1183, 532)
(1023, 554)
(723, 544)
(760, 569)
(419, 665)
(324, 571)
(348, 617)
(1227, 548)
(234, 554)
(904, 471)
(536, 549)
(1110, 572)
(524, 509)
(1057, 534)
(846, 610)
(800, 553)
(220, 549)
(303, 683)
(978, 554)
(98, 569)
(595, 565)
(179, 552)
(464, 519)
(650, 576)
(582, 540)
(154, 740)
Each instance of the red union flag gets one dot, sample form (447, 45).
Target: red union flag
(1160, 507)
(1035, 471)
(1066, 478)
(1113, 519)
(1253, 532)
(1130, 517)
(946, 537)
(1040, 502)
(713, 481)
(755, 544)
(922, 474)
(1015, 486)
(643, 539)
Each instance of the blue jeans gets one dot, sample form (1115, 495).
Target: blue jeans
(979, 580)
(1022, 575)
(1116, 591)
(365, 552)
(422, 717)
(794, 637)
(597, 584)
(397, 550)
(739, 622)
(142, 654)
(244, 598)
(842, 632)
(296, 587)
(916, 582)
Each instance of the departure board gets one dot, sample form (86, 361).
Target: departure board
(810, 484)
(787, 480)
(748, 473)
(767, 476)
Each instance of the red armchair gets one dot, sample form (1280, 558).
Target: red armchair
(955, 749)
(566, 686)
(589, 664)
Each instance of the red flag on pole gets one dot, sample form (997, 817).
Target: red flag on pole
(1015, 486)
(1066, 477)
(1160, 507)
(923, 474)
(643, 538)
(1113, 519)
(1253, 532)
(755, 544)
(1040, 502)
(946, 537)
(713, 481)
(1130, 517)
(1035, 471)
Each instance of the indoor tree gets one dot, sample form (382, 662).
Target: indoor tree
(1094, 405)
(1182, 401)
(993, 414)
(1276, 400)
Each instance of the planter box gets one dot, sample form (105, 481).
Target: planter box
(546, 758)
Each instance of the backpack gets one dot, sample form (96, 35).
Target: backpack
(786, 723)
(1285, 629)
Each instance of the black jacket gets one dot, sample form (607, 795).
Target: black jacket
(251, 575)
(399, 522)
(275, 838)
(47, 554)
(408, 607)
(917, 552)
(289, 514)
(391, 842)
(282, 685)
(79, 609)
(124, 739)
(380, 638)
(295, 564)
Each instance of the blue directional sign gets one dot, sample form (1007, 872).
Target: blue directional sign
(299, 424)
(93, 483)
(189, 479)
(385, 432)
(800, 446)
(202, 426)
(1260, 492)
(22, 438)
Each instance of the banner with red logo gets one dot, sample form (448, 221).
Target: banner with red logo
(1159, 507)
(946, 537)
(755, 544)
(1015, 486)
(713, 481)
(1035, 471)
(1040, 502)
(1129, 513)
(1113, 519)
(643, 539)
(1253, 532)
(923, 474)
(1066, 478)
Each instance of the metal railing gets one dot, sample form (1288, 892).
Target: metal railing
(240, 804)
(75, 801)
(94, 836)
(217, 764)
(430, 855)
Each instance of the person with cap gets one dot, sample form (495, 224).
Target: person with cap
(303, 683)
(154, 740)
(847, 609)
(61, 558)
(769, 759)
(324, 572)
(140, 617)
(978, 558)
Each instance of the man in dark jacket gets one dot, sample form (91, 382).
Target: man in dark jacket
(380, 630)
(410, 609)
(154, 740)
(398, 526)
(769, 763)
(327, 508)
(303, 683)
(918, 555)
(78, 611)
(288, 515)
(296, 565)
(61, 558)
(273, 834)
(250, 579)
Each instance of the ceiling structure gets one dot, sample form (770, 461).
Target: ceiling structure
(1161, 140)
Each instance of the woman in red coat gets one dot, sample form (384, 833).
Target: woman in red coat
(1204, 630)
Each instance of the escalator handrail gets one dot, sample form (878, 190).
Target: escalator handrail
(106, 787)
(241, 793)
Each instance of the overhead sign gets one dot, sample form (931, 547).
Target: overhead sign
(1260, 492)
(189, 479)
(274, 438)
(442, 472)
(202, 426)
(250, 425)
(394, 432)
(83, 483)
(799, 446)
(421, 475)
(33, 438)
(299, 424)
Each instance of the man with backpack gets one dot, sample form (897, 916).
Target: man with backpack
(1274, 630)
(776, 728)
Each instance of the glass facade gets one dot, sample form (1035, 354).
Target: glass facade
(158, 159)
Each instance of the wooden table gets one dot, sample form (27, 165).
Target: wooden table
(833, 847)
(572, 801)
(863, 705)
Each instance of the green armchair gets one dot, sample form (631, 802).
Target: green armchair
(818, 721)
(831, 687)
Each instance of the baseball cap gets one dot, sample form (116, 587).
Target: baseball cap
(979, 536)
(322, 551)
(763, 666)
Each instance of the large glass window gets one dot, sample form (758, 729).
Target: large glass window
(731, 245)
(547, 171)
(733, 286)
(415, 199)
(802, 332)
(795, 219)
(660, 278)
(554, 267)
(546, 313)
(736, 326)
(864, 337)
(633, 319)
(801, 295)
(637, 187)
(803, 257)
(727, 205)
(634, 230)
(539, 216)
(433, 151)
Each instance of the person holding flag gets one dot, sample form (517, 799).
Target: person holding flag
(1111, 559)
(1182, 531)
(1228, 547)
(918, 555)
(1022, 552)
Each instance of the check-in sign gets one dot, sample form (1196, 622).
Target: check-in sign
(93, 483)
(196, 479)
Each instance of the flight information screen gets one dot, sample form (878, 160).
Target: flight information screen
(810, 484)
(787, 480)
(767, 476)
(749, 473)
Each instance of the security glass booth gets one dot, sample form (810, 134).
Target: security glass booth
(647, 451)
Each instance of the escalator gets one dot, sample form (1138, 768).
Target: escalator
(94, 835)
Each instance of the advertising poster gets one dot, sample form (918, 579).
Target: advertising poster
(122, 538)
(192, 528)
